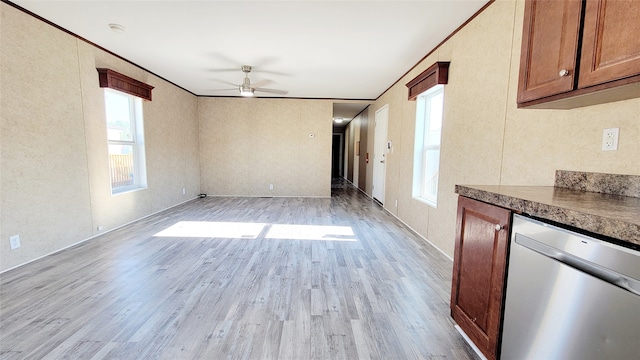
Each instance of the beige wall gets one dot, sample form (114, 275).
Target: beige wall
(350, 134)
(486, 139)
(355, 131)
(348, 143)
(54, 173)
(247, 144)
(363, 124)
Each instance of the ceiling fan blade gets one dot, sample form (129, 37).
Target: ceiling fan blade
(225, 82)
(258, 70)
(223, 58)
(273, 91)
(259, 84)
(223, 70)
(234, 89)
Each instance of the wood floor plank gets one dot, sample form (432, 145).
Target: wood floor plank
(238, 278)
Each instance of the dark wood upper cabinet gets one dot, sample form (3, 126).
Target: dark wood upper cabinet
(579, 52)
(611, 41)
(479, 266)
(549, 48)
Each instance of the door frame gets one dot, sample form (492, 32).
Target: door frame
(380, 154)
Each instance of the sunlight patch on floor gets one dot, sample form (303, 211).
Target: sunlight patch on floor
(213, 229)
(311, 232)
(247, 230)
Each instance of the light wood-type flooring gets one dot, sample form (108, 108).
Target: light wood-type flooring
(238, 278)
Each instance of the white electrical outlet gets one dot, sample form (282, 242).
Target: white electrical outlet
(270, 186)
(14, 241)
(610, 139)
(184, 191)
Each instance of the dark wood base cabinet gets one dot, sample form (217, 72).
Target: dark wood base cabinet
(479, 264)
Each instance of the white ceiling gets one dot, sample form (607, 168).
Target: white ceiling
(311, 49)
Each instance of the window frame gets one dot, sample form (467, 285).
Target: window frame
(422, 145)
(136, 119)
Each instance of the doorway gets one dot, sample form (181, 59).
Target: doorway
(336, 156)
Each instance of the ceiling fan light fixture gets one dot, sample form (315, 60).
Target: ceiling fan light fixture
(245, 88)
(246, 92)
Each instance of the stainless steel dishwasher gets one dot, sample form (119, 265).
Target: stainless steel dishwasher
(569, 296)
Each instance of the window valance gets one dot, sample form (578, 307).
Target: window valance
(437, 73)
(115, 80)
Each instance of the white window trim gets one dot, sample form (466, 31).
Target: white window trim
(420, 150)
(138, 143)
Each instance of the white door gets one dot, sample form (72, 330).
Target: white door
(380, 153)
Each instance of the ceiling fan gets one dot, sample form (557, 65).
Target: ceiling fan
(246, 89)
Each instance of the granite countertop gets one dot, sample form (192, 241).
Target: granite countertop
(608, 214)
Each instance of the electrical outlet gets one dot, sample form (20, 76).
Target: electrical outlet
(610, 139)
(184, 191)
(14, 241)
(270, 186)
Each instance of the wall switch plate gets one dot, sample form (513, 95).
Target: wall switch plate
(14, 241)
(610, 139)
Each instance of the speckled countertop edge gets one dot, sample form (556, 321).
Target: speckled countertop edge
(613, 216)
(615, 184)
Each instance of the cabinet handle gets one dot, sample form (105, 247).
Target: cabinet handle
(564, 72)
(499, 227)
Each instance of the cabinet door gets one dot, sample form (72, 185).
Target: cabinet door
(549, 48)
(611, 41)
(482, 236)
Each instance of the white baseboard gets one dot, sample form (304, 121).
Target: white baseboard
(418, 235)
(92, 237)
(404, 223)
(473, 346)
(355, 186)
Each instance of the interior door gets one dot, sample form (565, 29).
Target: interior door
(380, 153)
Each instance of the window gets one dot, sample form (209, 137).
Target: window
(125, 137)
(426, 162)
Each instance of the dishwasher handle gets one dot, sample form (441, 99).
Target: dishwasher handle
(613, 277)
